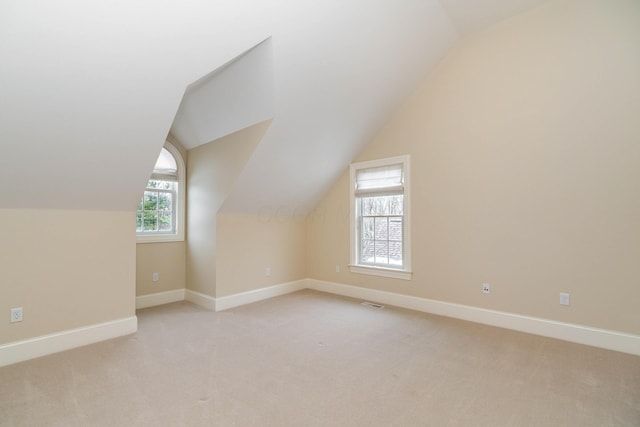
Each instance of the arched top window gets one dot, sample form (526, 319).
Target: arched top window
(160, 214)
(166, 166)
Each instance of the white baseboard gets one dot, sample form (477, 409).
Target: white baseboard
(249, 297)
(602, 338)
(151, 300)
(65, 340)
(222, 303)
(197, 298)
(53, 343)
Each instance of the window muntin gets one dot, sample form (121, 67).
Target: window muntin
(156, 211)
(380, 217)
(381, 230)
(160, 215)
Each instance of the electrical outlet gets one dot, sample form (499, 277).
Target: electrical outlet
(16, 315)
(564, 299)
(267, 271)
(486, 288)
(337, 268)
(155, 277)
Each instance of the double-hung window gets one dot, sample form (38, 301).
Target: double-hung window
(380, 238)
(159, 215)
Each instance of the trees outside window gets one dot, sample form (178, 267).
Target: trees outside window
(160, 211)
(380, 237)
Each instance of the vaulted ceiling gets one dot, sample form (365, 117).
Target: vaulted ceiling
(89, 90)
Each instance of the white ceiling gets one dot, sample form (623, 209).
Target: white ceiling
(472, 15)
(89, 90)
(239, 94)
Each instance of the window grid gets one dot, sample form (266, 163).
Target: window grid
(155, 210)
(164, 220)
(381, 230)
(379, 207)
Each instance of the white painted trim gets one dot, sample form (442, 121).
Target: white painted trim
(178, 236)
(60, 341)
(596, 337)
(65, 340)
(249, 297)
(158, 238)
(159, 298)
(405, 273)
(379, 271)
(197, 298)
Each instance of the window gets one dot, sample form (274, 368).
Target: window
(160, 214)
(380, 237)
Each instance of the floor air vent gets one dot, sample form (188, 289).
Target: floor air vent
(371, 304)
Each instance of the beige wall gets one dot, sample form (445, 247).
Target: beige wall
(525, 167)
(67, 269)
(213, 169)
(249, 244)
(166, 259)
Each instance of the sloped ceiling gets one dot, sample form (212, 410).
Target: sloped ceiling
(237, 95)
(470, 15)
(89, 90)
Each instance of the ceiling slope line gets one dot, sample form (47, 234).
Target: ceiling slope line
(239, 94)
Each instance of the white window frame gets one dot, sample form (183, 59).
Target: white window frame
(178, 234)
(405, 272)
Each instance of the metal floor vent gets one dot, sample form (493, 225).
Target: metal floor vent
(371, 304)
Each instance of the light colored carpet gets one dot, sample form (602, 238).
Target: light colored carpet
(313, 359)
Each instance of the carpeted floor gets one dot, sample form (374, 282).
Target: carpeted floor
(313, 359)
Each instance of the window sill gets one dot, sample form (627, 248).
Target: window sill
(159, 238)
(379, 271)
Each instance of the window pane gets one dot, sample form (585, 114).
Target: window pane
(150, 201)
(151, 221)
(396, 205)
(164, 202)
(382, 229)
(164, 221)
(161, 185)
(367, 228)
(395, 253)
(382, 252)
(395, 229)
(368, 207)
(155, 212)
(382, 205)
(367, 255)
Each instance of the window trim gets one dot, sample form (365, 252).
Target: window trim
(178, 236)
(404, 273)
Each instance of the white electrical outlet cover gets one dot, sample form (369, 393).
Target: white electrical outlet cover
(16, 314)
